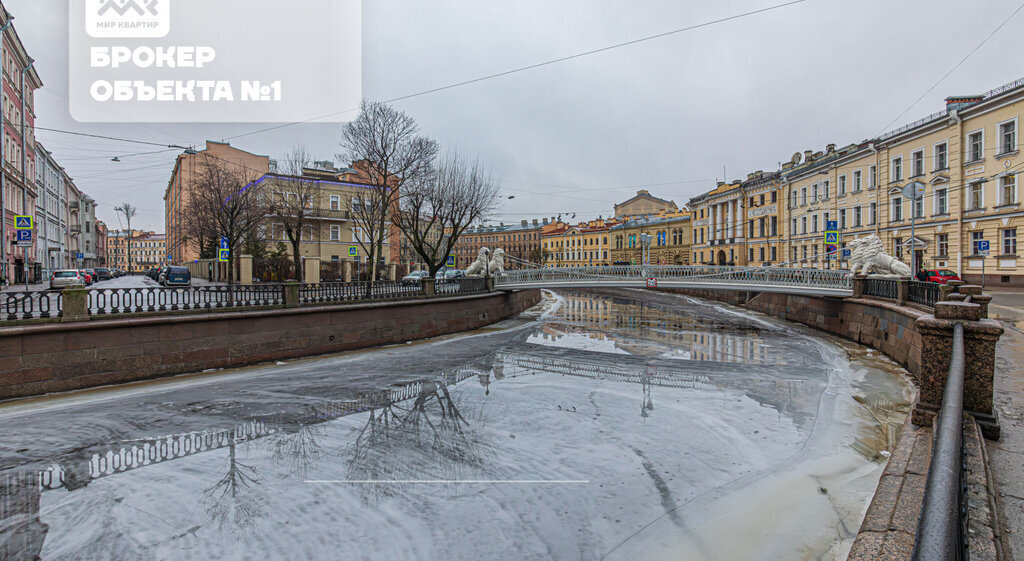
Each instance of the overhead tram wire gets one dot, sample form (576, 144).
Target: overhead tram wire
(947, 74)
(534, 66)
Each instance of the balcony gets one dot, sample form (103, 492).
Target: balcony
(329, 214)
(74, 205)
(75, 229)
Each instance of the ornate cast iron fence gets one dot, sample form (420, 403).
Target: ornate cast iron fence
(882, 288)
(924, 293)
(31, 305)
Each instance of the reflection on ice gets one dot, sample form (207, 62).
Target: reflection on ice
(603, 429)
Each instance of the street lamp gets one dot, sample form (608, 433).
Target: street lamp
(645, 244)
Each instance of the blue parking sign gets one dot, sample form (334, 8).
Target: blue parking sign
(24, 235)
(983, 245)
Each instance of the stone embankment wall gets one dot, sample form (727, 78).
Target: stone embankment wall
(40, 359)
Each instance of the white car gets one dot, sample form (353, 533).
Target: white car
(415, 277)
(66, 278)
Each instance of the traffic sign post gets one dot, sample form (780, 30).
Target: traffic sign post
(23, 223)
(450, 262)
(831, 241)
(913, 191)
(983, 251)
(353, 251)
(24, 238)
(224, 255)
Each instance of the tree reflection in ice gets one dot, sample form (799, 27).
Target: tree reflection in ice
(428, 440)
(235, 502)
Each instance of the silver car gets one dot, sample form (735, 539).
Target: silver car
(66, 278)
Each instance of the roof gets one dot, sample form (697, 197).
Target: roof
(646, 195)
(501, 229)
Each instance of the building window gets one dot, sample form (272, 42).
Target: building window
(976, 146)
(872, 177)
(941, 201)
(917, 161)
(856, 181)
(918, 205)
(814, 223)
(335, 233)
(335, 202)
(842, 185)
(773, 253)
(775, 225)
(857, 216)
(896, 169)
(750, 254)
(896, 212)
(792, 226)
(1010, 241)
(803, 196)
(775, 196)
(1008, 190)
(842, 219)
(897, 244)
(873, 214)
(1008, 137)
(941, 159)
(977, 196)
(976, 239)
(803, 224)
(942, 241)
(825, 189)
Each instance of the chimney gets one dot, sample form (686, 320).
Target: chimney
(830, 148)
(808, 154)
(273, 166)
(523, 223)
(545, 221)
(535, 222)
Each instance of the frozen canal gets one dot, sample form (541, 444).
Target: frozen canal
(635, 426)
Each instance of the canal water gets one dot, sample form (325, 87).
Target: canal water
(629, 425)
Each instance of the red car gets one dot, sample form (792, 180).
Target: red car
(86, 277)
(941, 276)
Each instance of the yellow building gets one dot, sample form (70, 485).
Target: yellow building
(148, 250)
(582, 245)
(739, 223)
(670, 233)
(643, 204)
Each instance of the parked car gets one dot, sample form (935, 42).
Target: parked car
(153, 273)
(102, 273)
(415, 277)
(92, 273)
(451, 274)
(941, 276)
(66, 278)
(86, 277)
(176, 276)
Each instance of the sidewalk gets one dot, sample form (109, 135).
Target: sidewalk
(1007, 455)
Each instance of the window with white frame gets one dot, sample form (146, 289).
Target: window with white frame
(897, 245)
(856, 181)
(976, 146)
(842, 185)
(941, 156)
(803, 224)
(792, 226)
(1008, 189)
(976, 196)
(825, 189)
(1008, 137)
(1010, 241)
(942, 244)
(793, 200)
(335, 233)
(857, 212)
(814, 193)
(976, 239)
(896, 169)
(803, 195)
(896, 209)
(917, 163)
(918, 207)
(335, 202)
(842, 219)
(941, 201)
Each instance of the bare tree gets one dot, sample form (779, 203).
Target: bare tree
(385, 144)
(435, 212)
(294, 201)
(223, 203)
(129, 211)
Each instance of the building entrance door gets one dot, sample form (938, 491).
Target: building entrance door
(722, 259)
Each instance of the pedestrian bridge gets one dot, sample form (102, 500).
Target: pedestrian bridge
(783, 280)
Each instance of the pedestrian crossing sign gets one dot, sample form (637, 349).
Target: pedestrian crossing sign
(832, 237)
(224, 255)
(22, 222)
(353, 251)
(451, 261)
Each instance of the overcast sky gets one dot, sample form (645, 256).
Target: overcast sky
(576, 137)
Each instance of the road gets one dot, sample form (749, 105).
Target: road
(632, 426)
(1007, 455)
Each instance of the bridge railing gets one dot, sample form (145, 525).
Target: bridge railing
(714, 274)
(942, 527)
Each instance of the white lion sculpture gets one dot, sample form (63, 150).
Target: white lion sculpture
(479, 266)
(868, 255)
(497, 266)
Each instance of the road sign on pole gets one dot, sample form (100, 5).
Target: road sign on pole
(451, 261)
(224, 255)
(23, 223)
(353, 251)
(224, 243)
(983, 247)
(24, 238)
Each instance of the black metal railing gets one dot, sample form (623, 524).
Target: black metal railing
(942, 527)
(111, 301)
(924, 293)
(464, 285)
(881, 288)
(40, 304)
(327, 292)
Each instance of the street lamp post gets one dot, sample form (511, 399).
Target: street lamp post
(645, 249)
